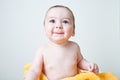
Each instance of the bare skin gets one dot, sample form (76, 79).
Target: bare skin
(64, 63)
(60, 61)
(60, 58)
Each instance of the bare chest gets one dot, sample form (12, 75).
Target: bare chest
(60, 60)
(60, 56)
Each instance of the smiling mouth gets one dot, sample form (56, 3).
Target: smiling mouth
(58, 32)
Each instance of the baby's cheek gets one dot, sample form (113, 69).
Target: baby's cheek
(69, 33)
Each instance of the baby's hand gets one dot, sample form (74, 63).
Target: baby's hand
(92, 67)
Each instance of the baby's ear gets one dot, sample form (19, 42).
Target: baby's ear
(45, 32)
(73, 34)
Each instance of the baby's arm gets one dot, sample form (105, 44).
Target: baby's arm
(85, 65)
(36, 68)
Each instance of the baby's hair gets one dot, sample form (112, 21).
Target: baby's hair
(61, 6)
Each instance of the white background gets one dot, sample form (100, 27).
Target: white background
(22, 32)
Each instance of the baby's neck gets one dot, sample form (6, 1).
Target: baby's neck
(58, 44)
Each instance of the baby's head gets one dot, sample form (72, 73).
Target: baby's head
(65, 7)
(59, 23)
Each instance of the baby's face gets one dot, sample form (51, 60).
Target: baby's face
(59, 25)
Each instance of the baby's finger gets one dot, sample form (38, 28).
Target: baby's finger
(96, 70)
(91, 67)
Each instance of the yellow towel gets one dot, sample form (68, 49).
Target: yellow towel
(80, 76)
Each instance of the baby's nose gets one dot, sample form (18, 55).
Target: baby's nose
(59, 25)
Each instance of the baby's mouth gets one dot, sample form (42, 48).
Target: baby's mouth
(58, 32)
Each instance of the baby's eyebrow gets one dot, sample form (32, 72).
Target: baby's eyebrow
(67, 18)
(64, 18)
(51, 17)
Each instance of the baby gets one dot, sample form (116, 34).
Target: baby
(60, 58)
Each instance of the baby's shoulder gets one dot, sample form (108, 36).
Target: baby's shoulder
(74, 43)
(42, 48)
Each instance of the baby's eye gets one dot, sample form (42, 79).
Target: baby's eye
(65, 21)
(52, 21)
